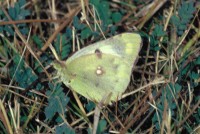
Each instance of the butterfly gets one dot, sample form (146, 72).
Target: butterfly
(101, 69)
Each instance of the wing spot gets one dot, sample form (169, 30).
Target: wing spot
(98, 53)
(99, 71)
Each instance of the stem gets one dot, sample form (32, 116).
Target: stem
(96, 118)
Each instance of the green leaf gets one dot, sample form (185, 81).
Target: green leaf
(194, 75)
(21, 3)
(57, 101)
(103, 11)
(24, 75)
(68, 33)
(113, 29)
(198, 61)
(44, 59)
(36, 39)
(64, 129)
(11, 12)
(77, 24)
(185, 13)
(9, 30)
(101, 126)
(85, 33)
(16, 13)
(177, 87)
(158, 31)
(116, 17)
(62, 46)
(156, 34)
(90, 106)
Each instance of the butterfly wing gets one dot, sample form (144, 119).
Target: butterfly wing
(102, 68)
(126, 45)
